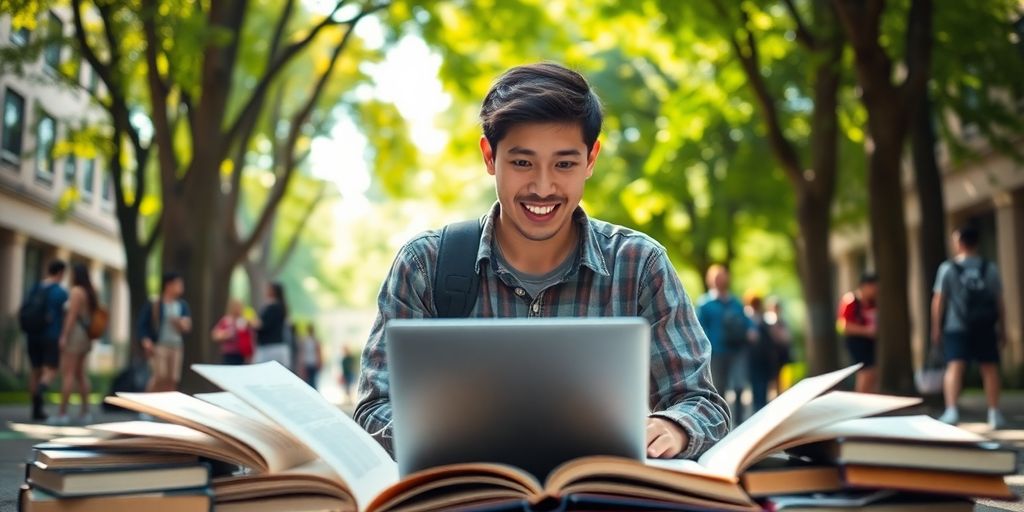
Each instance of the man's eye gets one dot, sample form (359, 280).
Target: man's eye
(565, 165)
(521, 163)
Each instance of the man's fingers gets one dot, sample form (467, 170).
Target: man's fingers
(661, 445)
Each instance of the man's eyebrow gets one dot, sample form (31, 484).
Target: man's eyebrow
(516, 150)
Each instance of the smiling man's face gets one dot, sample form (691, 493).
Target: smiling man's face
(540, 170)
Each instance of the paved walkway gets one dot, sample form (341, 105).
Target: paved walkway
(17, 438)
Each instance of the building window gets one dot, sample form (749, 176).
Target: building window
(70, 172)
(14, 123)
(107, 193)
(88, 179)
(20, 36)
(55, 31)
(46, 134)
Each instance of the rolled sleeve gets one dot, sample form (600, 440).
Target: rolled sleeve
(681, 386)
(404, 294)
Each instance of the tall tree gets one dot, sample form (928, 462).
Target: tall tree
(890, 105)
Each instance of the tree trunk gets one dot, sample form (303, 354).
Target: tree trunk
(932, 229)
(258, 281)
(814, 267)
(889, 243)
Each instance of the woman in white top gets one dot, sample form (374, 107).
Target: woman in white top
(75, 343)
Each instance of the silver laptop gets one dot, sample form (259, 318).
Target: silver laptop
(533, 393)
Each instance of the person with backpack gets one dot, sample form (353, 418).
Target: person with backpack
(967, 320)
(537, 254)
(763, 354)
(76, 343)
(41, 317)
(163, 323)
(730, 332)
(858, 328)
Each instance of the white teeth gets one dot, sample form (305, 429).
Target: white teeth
(540, 210)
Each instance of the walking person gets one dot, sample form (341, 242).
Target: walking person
(41, 317)
(783, 339)
(271, 339)
(730, 333)
(763, 355)
(968, 321)
(858, 327)
(349, 371)
(75, 344)
(310, 359)
(162, 324)
(231, 332)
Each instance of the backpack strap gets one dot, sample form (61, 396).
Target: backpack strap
(456, 282)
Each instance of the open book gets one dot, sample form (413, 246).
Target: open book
(304, 452)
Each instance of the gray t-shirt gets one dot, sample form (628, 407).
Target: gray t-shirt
(169, 335)
(535, 284)
(947, 282)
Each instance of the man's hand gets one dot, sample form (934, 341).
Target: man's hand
(665, 439)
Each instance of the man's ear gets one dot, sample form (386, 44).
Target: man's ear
(488, 153)
(592, 157)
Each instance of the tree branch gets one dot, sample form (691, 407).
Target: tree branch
(803, 33)
(295, 130)
(293, 241)
(158, 94)
(919, 51)
(749, 59)
(154, 235)
(282, 22)
(260, 91)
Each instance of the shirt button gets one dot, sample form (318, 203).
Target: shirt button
(536, 307)
(520, 292)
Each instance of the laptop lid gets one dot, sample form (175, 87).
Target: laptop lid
(532, 393)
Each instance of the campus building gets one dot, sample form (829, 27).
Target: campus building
(987, 191)
(38, 179)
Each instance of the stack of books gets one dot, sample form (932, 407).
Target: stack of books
(61, 478)
(810, 449)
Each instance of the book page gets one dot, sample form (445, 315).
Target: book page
(280, 451)
(232, 403)
(151, 435)
(728, 456)
(828, 409)
(279, 394)
(919, 428)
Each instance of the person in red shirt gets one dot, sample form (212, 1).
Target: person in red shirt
(858, 327)
(234, 334)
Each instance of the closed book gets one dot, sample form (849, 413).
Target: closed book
(950, 483)
(866, 501)
(78, 458)
(778, 475)
(980, 457)
(74, 482)
(191, 500)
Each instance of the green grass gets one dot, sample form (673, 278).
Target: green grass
(22, 398)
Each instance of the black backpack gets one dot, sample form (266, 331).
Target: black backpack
(33, 315)
(977, 305)
(456, 285)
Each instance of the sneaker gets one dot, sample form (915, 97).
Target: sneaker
(995, 419)
(60, 420)
(85, 419)
(951, 416)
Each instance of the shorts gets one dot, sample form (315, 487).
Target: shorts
(962, 346)
(43, 351)
(166, 362)
(862, 350)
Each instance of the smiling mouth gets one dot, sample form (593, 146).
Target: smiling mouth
(539, 212)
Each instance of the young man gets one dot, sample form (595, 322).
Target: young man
(42, 318)
(967, 318)
(730, 332)
(857, 326)
(540, 255)
(162, 323)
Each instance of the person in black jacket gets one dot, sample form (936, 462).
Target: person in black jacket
(272, 343)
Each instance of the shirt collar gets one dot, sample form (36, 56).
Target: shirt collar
(591, 255)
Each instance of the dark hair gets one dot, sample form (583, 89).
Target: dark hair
(56, 267)
(168, 278)
(80, 277)
(868, 278)
(542, 92)
(278, 291)
(968, 235)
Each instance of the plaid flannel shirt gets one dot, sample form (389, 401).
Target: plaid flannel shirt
(619, 272)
